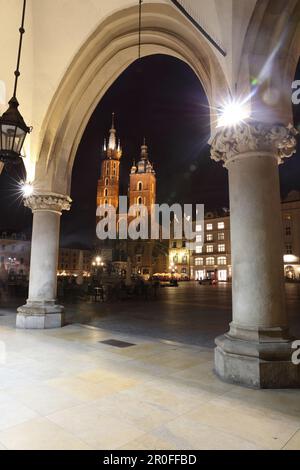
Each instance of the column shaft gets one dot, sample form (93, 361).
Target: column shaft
(44, 256)
(257, 350)
(257, 244)
(41, 310)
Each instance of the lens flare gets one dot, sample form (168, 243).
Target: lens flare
(27, 189)
(232, 114)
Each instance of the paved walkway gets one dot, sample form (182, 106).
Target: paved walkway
(63, 389)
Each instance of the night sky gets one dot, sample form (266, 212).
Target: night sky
(161, 98)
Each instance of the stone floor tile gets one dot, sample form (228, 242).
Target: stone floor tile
(40, 434)
(186, 434)
(13, 412)
(99, 430)
(294, 442)
(269, 430)
(44, 399)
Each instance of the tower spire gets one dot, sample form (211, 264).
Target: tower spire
(112, 144)
(144, 150)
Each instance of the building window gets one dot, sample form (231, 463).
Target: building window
(139, 200)
(174, 245)
(210, 261)
(221, 225)
(184, 259)
(198, 261)
(288, 249)
(140, 186)
(199, 238)
(209, 237)
(221, 236)
(209, 248)
(222, 260)
(209, 226)
(198, 249)
(198, 228)
(183, 270)
(288, 231)
(105, 192)
(175, 259)
(183, 244)
(106, 181)
(221, 248)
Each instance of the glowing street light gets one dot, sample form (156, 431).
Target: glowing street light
(27, 189)
(233, 113)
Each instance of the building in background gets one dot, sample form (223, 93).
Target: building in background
(212, 260)
(145, 257)
(109, 181)
(291, 235)
(15, 253)
(74, 262)
(15, 257)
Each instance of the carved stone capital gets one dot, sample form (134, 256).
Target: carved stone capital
(254, 137)
(48, 202)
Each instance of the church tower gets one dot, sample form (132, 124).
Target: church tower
(108, 183)
(142, 186)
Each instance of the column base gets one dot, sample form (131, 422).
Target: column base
(256, 364)
(40, 315)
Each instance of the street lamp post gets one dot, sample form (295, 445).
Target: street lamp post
(13, 129)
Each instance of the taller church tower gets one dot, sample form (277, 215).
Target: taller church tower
(108, 183)
(142, 186)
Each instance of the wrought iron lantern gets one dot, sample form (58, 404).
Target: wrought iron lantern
(13, 129)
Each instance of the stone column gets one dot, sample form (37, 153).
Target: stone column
(257, 349)
(41, 310)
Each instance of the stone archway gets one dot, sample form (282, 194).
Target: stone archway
(257, 349)
(106, 54)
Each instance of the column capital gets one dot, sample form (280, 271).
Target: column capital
(52, 202)
(275, 139)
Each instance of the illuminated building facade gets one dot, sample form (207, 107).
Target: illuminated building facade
(213, 259)
(108, 183)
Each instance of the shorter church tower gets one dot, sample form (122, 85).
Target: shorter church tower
(108, 183)
(142, 186)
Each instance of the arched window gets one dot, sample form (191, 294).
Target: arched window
(105, 192)
(140, 186)
(139, 200)
(222, 260)
(106, 181)
(210, 261)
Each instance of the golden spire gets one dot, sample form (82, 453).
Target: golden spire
(144, 150)
(112, 144)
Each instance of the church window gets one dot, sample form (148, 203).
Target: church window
(140, 186)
